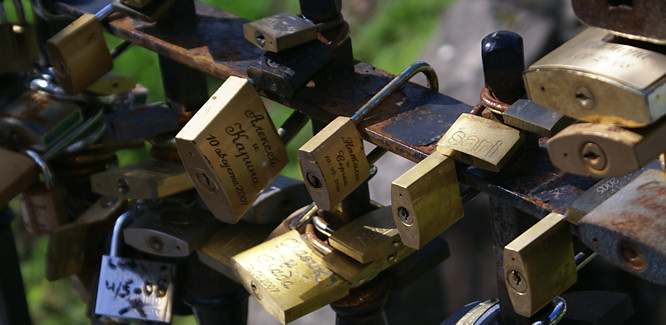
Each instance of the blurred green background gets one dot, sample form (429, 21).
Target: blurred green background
(386, 33)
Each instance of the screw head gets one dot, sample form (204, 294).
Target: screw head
(593, 156)
(516, 281)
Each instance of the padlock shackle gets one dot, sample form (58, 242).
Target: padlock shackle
(556, 315)
(3, 14)
(49, 180)
(396, 83)
(116, 236)
(20, 12)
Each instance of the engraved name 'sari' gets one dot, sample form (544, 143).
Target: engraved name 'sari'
(474, 144)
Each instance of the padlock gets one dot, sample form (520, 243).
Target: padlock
(636, 19)
(628, 229)
(539, 264)
(333, 162)
(130, 289)
(148, 179)
(111, 84)
(357, 273)
(426, 200)
(283, 196)
(75, 244)
(283, 31)
(36, 121)
(79, 54)
(287, 278)
(18, 42)
(17, 174)
(169, 229)
(231, 150)
(368, 237)
(229, 241)
(141, 122)
(596, 78)
(602, 150)
(529, 116)
(480, 142)
(600, 192)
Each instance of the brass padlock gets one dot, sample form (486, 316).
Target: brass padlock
(18, 42)
(596, 78)
(642, 20)
(539, 264)
(73, 245)
(426, 200)
(111, 84)
(480, 142)
(231, 150)
(355, 272)
(79, 54)
(287, 278)
(17, 174)
(602, 150)
(333, 162)
(369, 237)
(283, 31)
(629, 228)
(148, 179)
(169, 229)
(527, 115)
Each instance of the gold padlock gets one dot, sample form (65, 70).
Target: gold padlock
(602, 150)
(231, 150)
(283, 31)
(480, 142)
(357, 273)
(110, 84)
(333, 162)
(287, 278)
(539, 264)
(79, 54)
(42, 209)
(17, 174)
(426, 200)
(596, 78)
(148, 179)
(629, 228)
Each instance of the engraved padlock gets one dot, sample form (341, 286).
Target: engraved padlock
(231, 150)
(287, 278)
(18, 42)
(426, 200)
(480, 142)
(628, 228)
(539, 264)
(131, 289)
(333, 162)
(283, 31)
(79, 54)
(167, 228)
(597, 78)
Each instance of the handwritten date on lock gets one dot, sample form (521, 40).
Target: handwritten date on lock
(342, 164)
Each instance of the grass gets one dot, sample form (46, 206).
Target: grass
(390, 37)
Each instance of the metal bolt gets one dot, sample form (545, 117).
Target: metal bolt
(516, 281)
(593, 156)
(313, 180)
(404, 216)
(584, 97)
(122, 186)
(632, 255)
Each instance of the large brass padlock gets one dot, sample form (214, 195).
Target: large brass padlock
(629, 228)
(18, 42)
(480, 142)
(426, 200)
(287, 278)
(79, 54)
(539, 264)
(596, 78)
(333, 162)
(231, 150)
(602, 150)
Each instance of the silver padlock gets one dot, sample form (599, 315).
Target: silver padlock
(130, 289)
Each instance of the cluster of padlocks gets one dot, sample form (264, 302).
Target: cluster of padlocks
(209, 212)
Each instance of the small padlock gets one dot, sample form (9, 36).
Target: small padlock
(602, 150)
(130, 289)
(287, 278)
(426, 200)
(148, 179)
(36, 121)
(283, 31)
(529, 116)
(333, 162)
(169, 229)
(231, 150)
(636, 19)
(17, 174)
(79, 54)
(73, 245)
(18, 42)
(111, 84)
(629, 228)
(357, 273)
(597, 78)
(539, 264)
(141, 122)
(480, 142)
